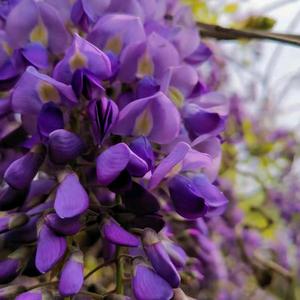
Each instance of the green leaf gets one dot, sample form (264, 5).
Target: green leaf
(231, 8)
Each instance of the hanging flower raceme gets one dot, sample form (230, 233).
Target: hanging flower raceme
(108, 135)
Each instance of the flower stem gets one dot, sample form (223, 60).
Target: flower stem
(98, 268)
(119, 273)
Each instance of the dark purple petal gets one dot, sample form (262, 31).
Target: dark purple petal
(20, 173)
(9, 270)
(69, 226)
(36, 54)
(159, 258)
(23, 234)
(50, 249)
(142, 147)
(103, 114)
(153, 221)
(11, 198)
(116, 234)
(64, 146)
(11, 266)
(50, 118)
(71, 277)
(214, 198)
(198, 121)
(138, 200)
(39, 190)
(147, 86)
(5, 107)
(71, 198)
(148, 285)
(155, 117)
(186, 198)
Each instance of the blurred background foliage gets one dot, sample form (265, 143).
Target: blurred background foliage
(260, 163)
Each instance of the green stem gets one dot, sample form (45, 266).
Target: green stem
(119, 273)
(98, 268)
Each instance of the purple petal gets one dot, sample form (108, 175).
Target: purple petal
(32, 295)
(5, 107)
(50, 118)
(214, 198)
(142, 148)
(94, 8)
(168, 163)
(11, 198)
(163, 54)
(71, 277)
(200, 55)
(186, 198)
(69, 226)
(116, 234)
(33, 88)
(82, 55)
(155, 117)
(71, 198)
(12, 221)
(147, 86)
(39, 189)
(176, 254)
(50, 249)
(57, 35)
(64, 146)
(199, 122)
(159, 258)
(111, 162)
(20, 173)
(18, 29)
(36, 54)
(115, 159)
(114, 31)
(147, 285)
(9, 269)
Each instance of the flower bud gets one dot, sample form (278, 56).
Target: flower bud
(159, 258)
(50, 249)
(71, 278)
(11, 198)
(11, 266)
(12, 221)
(20, 173)
(64, 146)
(148, 285)
(71, 198)
(116, 234)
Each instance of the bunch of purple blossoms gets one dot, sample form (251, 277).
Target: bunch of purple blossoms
(108, 133)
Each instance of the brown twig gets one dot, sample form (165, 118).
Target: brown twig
(223, 33)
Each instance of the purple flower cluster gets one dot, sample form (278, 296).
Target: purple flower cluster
(106, 122)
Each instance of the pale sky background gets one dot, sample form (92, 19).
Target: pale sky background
(283, 82)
